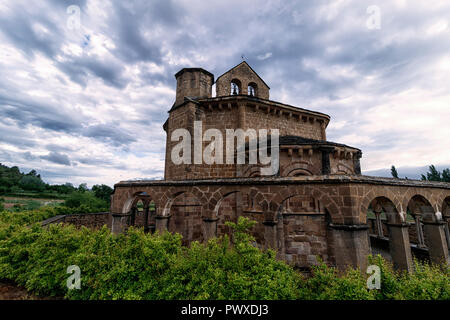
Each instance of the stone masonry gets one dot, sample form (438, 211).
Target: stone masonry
(315, 206)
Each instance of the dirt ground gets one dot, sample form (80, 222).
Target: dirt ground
(11, 201)
(10, 291)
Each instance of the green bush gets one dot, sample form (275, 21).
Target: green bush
(86, 198)
(141, 266)
(136, 265)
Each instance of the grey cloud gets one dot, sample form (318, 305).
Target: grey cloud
(58, 148)
(58, 158)
(18, 28)
(80, 68)
(28, 111)
(108, 133)
(131, 21)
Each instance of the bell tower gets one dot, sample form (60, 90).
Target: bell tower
(193, 83)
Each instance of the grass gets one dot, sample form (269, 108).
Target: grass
(19, 203)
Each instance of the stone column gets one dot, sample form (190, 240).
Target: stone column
(419, 231)
(436, 241)
(270, 234)
(210, 228)
(241, 115)
(351, 245)
(146, 209)
(120, 222)
(323, 129)
(326, 167)
(446, 228)
(399, 246)
(357, 162)
(162, 223)
(133, 216)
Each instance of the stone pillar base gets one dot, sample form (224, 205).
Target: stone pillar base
(351, 245)
(436, 241)
(399, 246)
(270, 234)
(119, 222)
(162, 223)
(210, 228)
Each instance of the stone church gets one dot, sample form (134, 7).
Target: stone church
(317, 204)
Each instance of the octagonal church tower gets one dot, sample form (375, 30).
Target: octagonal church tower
(243, 102)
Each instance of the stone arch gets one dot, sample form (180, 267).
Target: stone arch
(324, 199)
(235, 87)
(446, 206)
(397, 233)
(430, 228)
(297, 168)
(218, 204)
(136, 211)
(382, 204)
(252, 171)
(446, 218)
(381, 193)
(252, 89)
(303, 232)
(344, 169)
(132, 201)
(257, 201)
(419, 205)
(227, 209)
(185, 212)
(430, 198)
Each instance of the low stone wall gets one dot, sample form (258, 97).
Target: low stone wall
(381, 246)
(89, 220)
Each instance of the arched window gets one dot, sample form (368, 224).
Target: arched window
(235, 87)
(252, 89)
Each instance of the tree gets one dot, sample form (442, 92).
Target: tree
(446, 175)
(102, 192)
(31, 183)
(394, 172)
(85, 198)
(432, 175)
(83, 187)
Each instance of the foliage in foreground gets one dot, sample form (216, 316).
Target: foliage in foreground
(143, 266)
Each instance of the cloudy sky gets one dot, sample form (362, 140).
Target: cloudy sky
(86, 102)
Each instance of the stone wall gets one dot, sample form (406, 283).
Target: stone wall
(305, 239)
(89, 220)
(335, 206)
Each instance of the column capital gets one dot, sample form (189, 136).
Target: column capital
(162, 217)
(349, 227)
(210, 219)
(397, 224)
(437, 223)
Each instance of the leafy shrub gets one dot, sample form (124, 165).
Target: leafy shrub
(32, 183)
(86, 198)
(141, 266)
(427, 282)
(136, 265)
(218, 271)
